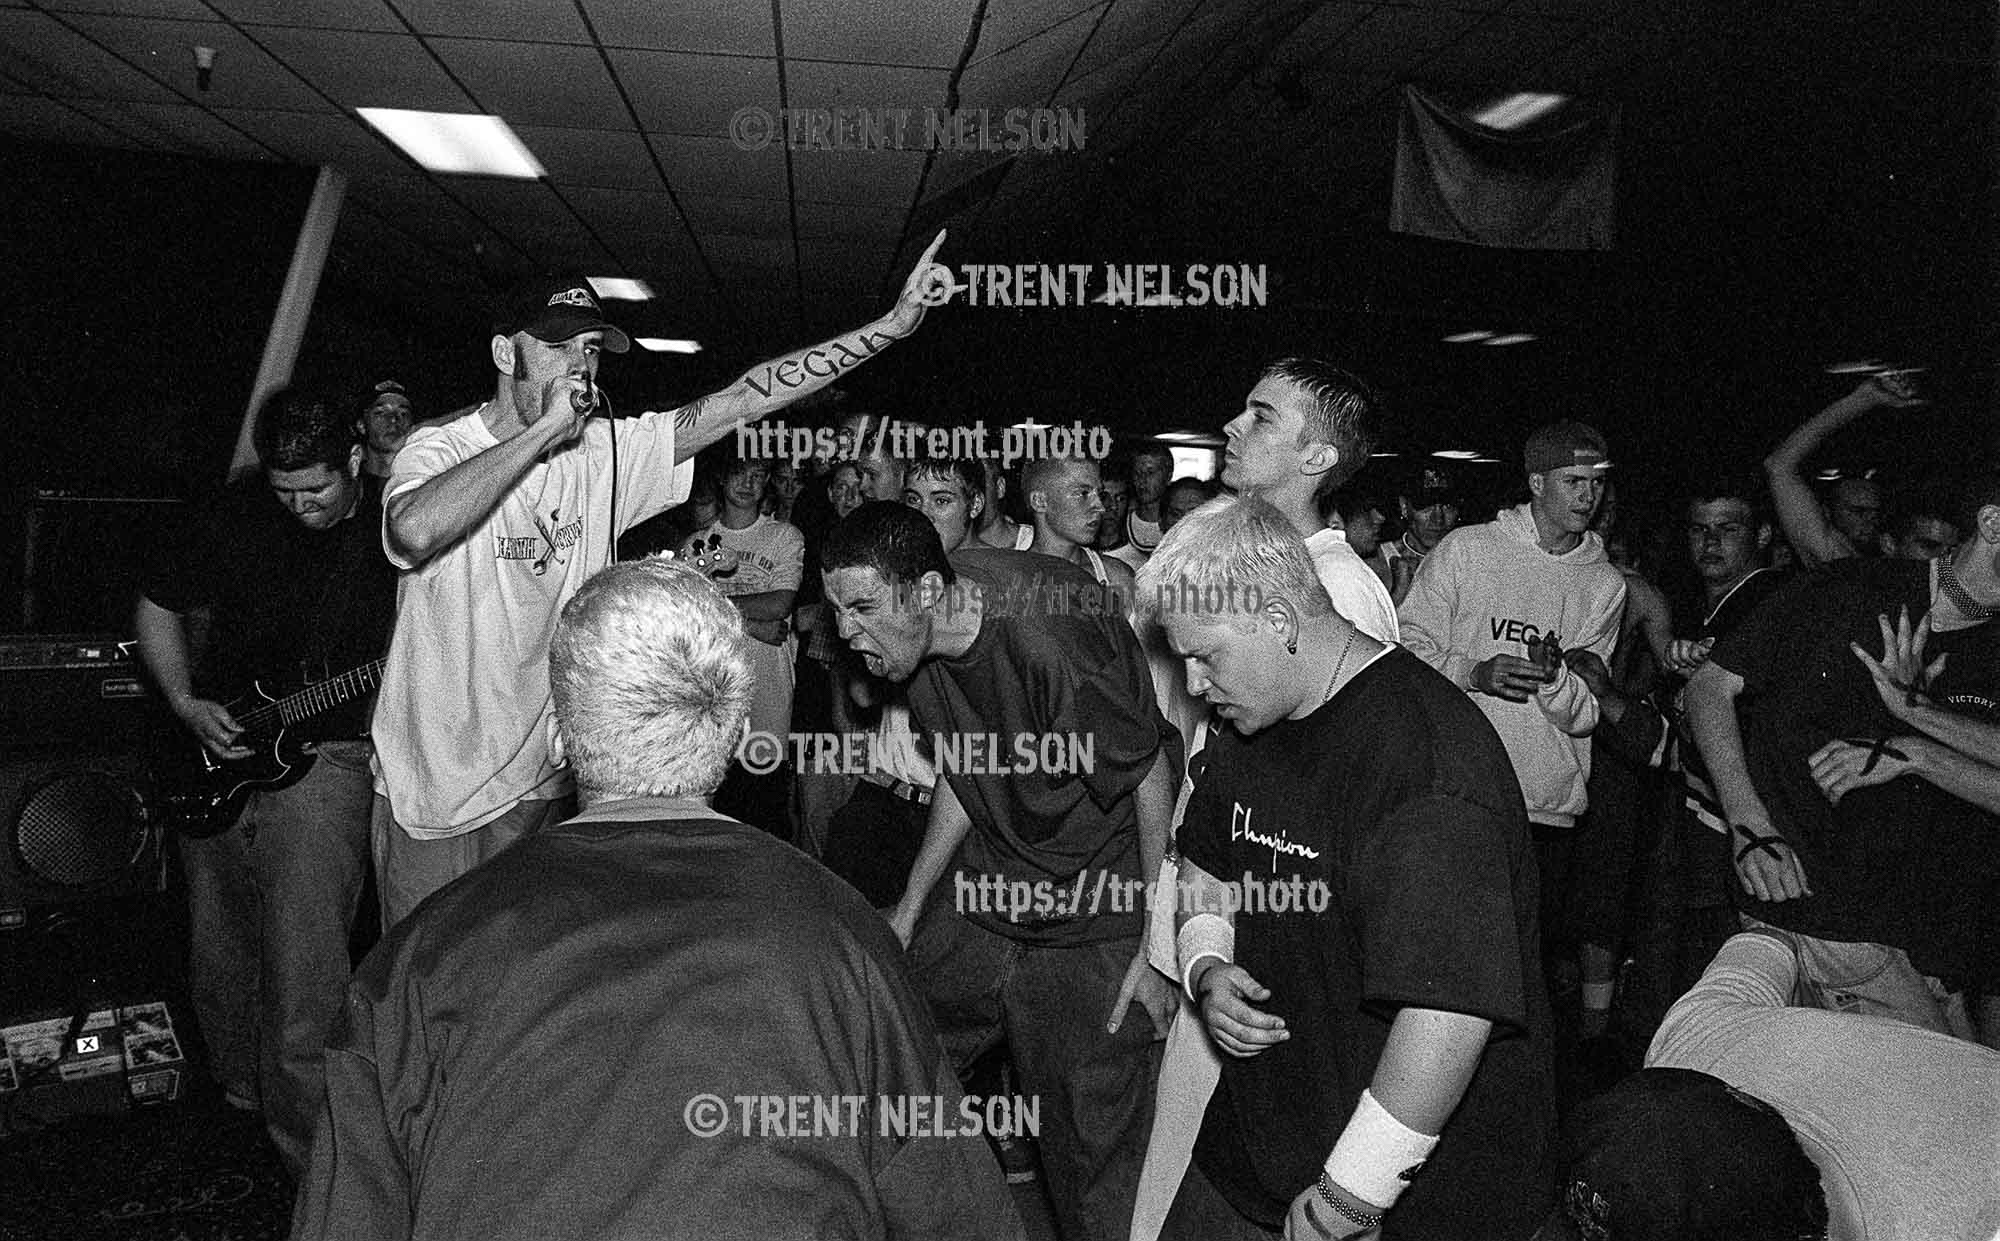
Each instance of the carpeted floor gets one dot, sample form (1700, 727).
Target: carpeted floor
(179, 1172)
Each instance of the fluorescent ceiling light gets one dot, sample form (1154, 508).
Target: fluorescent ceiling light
(1511, 338)
(456, 142)
(661, 345)
(1456, 454)
(619, 289)
(1827, 476)
(1189, 437)
(1486, 461)
(1373, 455)
(1467, 338)
(1193, 463)
(1519, 109)
(1869, 367)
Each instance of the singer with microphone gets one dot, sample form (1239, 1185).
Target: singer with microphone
(497, 516)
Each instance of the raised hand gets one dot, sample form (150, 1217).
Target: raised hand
(929, 284)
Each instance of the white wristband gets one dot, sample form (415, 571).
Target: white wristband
(1204, 935)
(1377, 1155)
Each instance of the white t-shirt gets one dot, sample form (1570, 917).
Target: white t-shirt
(772, 556)
(463, 721)
(1356, 592)
(1903, 1122)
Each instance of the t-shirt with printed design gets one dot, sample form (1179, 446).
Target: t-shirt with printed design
(772, 555)
(1392, 809)
(1904, 863)
(464, 719)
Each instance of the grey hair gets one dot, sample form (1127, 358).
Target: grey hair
(650, 669)
(1231, 557)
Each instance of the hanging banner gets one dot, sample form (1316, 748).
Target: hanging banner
(1547, 188)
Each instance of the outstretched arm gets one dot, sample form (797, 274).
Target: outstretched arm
(771, 385)
(1799, 513)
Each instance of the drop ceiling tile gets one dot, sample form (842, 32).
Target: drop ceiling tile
(531, 217)
(720, 167)
(198, 130)
(684, 93)
(853, 268)
(1025, 75)
(765, 218)
(1393, 42)
(1129, 25)
(317, 138)
(244, 76)
(415, 204)
(736, 27)
(366, 70)
(536, 83)
(1507, 50)
(951, 169)
(45, 120)
(47, 56)
(606, 157)
(1327, 25)
(179, 10)
(642, 229)
(888, 177)
(838, 221)
(324, 14)
(826, 84)
(932, 33)
(1010, 22)
(529, 20)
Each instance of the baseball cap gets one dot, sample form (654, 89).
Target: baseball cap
(1430, 487)
(1671, 1154)
(1565, 444)
(555, 308)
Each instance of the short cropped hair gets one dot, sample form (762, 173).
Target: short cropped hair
(968, 474)
(298, 428)
(650, 670)
(1342, 409)
(896, 541)
(1240, 549)
(1735, 485)
(1040, 473)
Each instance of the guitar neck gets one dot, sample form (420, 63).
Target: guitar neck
(314, 700)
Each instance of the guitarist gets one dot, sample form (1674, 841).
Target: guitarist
(288, 569)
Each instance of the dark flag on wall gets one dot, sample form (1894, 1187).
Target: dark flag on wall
(1546, 186)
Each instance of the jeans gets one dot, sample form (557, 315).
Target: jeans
(1051, 1005)
(271, 902)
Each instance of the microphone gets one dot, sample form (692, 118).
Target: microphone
(584, 400)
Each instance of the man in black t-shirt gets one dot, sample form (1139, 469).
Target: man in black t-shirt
(288, 569)
(1051, 811)
(1357, 921)
(1890, 889)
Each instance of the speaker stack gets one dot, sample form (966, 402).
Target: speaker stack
(75, 797)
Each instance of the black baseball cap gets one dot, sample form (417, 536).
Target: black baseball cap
(1669, 1154)
(555, 308)
(1430, 486)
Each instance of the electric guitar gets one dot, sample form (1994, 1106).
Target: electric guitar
(205, 801)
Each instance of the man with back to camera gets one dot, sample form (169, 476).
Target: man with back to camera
(289, 571)
(497, 517)
(562, 1043)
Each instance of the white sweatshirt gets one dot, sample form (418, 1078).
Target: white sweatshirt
(1492, 590)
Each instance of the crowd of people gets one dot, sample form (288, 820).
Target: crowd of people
(1501, 879)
